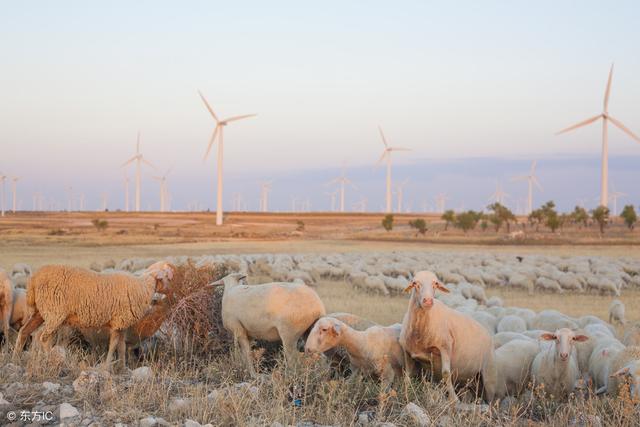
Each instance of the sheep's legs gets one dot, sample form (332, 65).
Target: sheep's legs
(446, 375)
(289, 346)
(50, 327)
(409, 364)
(245, 347)
(27, 329)
(122, 351)
(114, 339)
(6, 319)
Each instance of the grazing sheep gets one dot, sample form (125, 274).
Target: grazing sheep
(135, 334)
(520, 280)
(21, 268)
(603, 285)
(511, 323)
(373, 351)
(268, 312)
(430, 329)
(599, 364)
(547, 284)
(6, 302)
(625, 367)
(557, 366)
(501, 338)
(495, 301)
(513, 364)
(632, 335)
(81, 298)
(616, 312)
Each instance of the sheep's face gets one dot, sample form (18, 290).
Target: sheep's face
(631, 374)
(565, 340)
(424, 286)
(324, 336)
(163, 273)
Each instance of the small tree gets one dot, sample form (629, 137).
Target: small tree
(580, 216)
(420, 225)
(553, 221)
(387, 222)
(629, 215)
(484, 225)
(536, 217)
(466, 221)
(100, 224)
(449, 216)
(300, 225)
(501, 215)
(601, 216)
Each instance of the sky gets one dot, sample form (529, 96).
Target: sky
(460, 83)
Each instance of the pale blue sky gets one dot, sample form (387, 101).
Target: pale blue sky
(469, 79)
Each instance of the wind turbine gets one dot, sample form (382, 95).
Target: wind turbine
(342, 180)
(139, 159)
(400, 192)
(360, 205)
(126, 191)
(3, 178)
(386, 154)
(531, 180)
(614, 198)
(332, 195)
(163, 190)
(218, 133)
(606, 118)
(265, 187)
(70, 200)
(14, 180)
(441, 200)
(499, 195)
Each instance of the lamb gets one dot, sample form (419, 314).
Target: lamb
(270, 312)
(373, 351)
(557, 366)
(616, 312)
(513, 364)
(6, 302)
(625, 366)
(511, 323)
(81, 298)
(430, 329)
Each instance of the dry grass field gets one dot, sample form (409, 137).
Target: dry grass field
(309, 393)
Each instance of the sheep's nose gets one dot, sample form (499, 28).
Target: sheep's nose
(564, 356)
(427, 301)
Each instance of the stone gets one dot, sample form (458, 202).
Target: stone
(50, 387)
(365, 418)
(148, 422)
(66, 411)
(191, 423)
(416, 415)
(3, 401)
(142, 374)
(93, 383)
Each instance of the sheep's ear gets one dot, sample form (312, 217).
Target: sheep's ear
(548, 337)
(168, 270)
(621, 372)
(412, 285)
(438, 285)
(216, 283)
(580, 338)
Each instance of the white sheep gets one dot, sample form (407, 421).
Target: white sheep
(269, 312)
(603, 285)
(80, 298)
(548, 285)
(501, 338)
(556, 366)
(487, 320)
(550, 320)
(430, 329)
(513, 364)
(511, 323)
(600, 362)
(616, 312)
(373, 351)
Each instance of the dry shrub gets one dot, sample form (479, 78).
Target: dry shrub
(194, 322)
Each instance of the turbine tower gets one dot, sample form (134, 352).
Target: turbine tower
(531, 181)
(126, 191)
(218, 133)
(386, 154)
(139, 159)
(14, 180)
(342, 180)
(332, 195)
(3, 178)
(606, 118)
(163, 190)
(265, 188)
(441, 201)
(499, 196)
(400, 193)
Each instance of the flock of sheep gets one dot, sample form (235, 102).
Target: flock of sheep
(450, 328)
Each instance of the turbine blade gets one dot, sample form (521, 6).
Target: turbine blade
(537, 184)
(624, 129)
(131, 160)
(533, 167)
(208, 106)
(233, 119)
(148, 163)
(384, 140)
(399, 149)
(211, 142)
(519, 178)
(578, 125)
(384, 154)
(608, 90)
